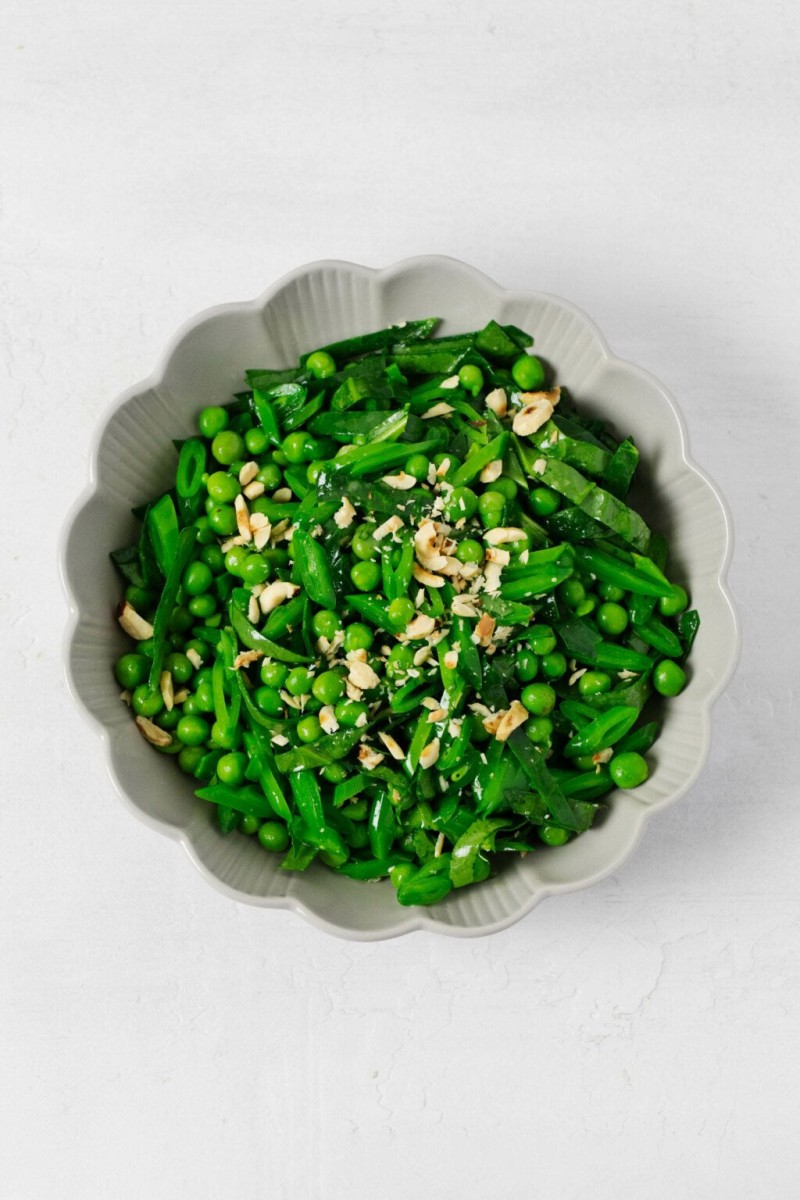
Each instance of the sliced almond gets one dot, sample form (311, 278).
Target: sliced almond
(133, 624)
(343, 517)
(243, 518)
(401, 482)
(484, 629)
(327, 719)
(495, 555)
(497, 401)
(283, 495)
(426, 545)
(492, 471)
(246, 657)
(469, 570)
(420, 626)
(369, 758)
(361, 720)
(125, 697)
(439, 847)
(279, 739)
(575, 676)
(438, 410)
(491, 578)
(427, 578)
(254, 490)
(504, 533)
(392, 746)
(451, 660)
(253, 610)
(443, 468)
(536, 411)
(152, 732)
(430, 754)
(515, 716)
(296, 702)
(492, 723)
(232, 541)
(540, 466)
(248, 473)
(362, 676)
(452, 381)
(258, 521)
(429, 703)
(261, 536)
(194, 658)
(389, 526)
(463, 607)
(167, 690)
(181, 695)
(437, 714)
(351, 691)
(276, 593)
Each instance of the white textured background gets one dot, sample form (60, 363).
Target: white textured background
(639, 1039)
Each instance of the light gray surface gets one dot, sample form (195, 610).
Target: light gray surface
(638, 1038)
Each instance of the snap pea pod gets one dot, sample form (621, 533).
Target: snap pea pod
(609, 569)
(348, 789)
(336, 746)
(166, 603)
(408, 333)
(495, 341)
(584, 455)
(284, 618)
(266, 416)
(469, 660)
(265, 772)
(242, 799)
(314, 569)
(621, 468)
(430, 885)
(372, 868)
(254, 639)
(326, 840)
(382, 825)
(638, 740)
(162, 524)
(191, 465)
(375, 611)
(594, 501)
(537, 582)
(532, 762)
(471, 469)
(383, 456)
(478, 836)
(602, 732)
(688, 626)
(656, 634)
(441, 356)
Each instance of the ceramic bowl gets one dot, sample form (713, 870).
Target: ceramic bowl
(132, 459)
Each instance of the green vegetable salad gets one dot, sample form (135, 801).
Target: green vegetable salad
(396, 613)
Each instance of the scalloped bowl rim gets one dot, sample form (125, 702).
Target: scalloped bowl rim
(414, 919)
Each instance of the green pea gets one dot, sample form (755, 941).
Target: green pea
(248, 824)
(400, 873)
(675, 604)
(587, 605)
(270, 475)
(189, 758)
(256, 441)
(668, 678)
(254, 570)
(554, 665)
(212, 420)
(418, 466)
(298, 681)
(462, 502)
(471, 378)
(325, 623)
(321, 365)
(179, 667)
(205, 531)
(527, 665)
(539, 699)
(348, 712)
(612, 619)
(335, 772)
(469, 551)
(528, 373)
(400, 659)
(358, 637)
(273, 836)
(592, 683)
(139, 598)
(222, 488)
(541, 639)
(222, 520)
(227, 447)
(505, 486)
(539, 730)
(197, 578)
(366, 576)
(235, 559)
(314, 470)
(628, 770)
(204, 696)
(268, 700)
(227, 738)
(400, 611)
(492, 508)
(131, 670)
(553, 835)
(328, 687)
(146, 702)
(203, 606)
(213, 558)
(453, 463)
(231, 768)
(299, 448)
(610, 592)
(544, 501)
(309, 729)
(363, 544)
(192, 730)
(572, 592)
(273, 674)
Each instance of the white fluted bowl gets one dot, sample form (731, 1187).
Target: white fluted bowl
(133, 459)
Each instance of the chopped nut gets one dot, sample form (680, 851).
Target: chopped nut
(452, 381)
(134, 625)
(438, 410)
(392, 746)
(626, 674)
(327, 719)
(484, 629)
(167, 690)
(359, 655)
(431, 476)
(420, 626)
(243, 518)
(261, 536)
(194, 658)
(537, 410)
(515, 716)
(540, 466)
(401, 482)
(495, 555)
(492, 471)
(275, 593)
(451, 660)
(443, 468)
(470, 570)
(343, 517)
(497, 401)
(439, 847)
(575, 676)
(429, 703)
(361, 675)
(361, 720)
(504, 533)
(351, 691)
(125, 697)
(283, 495)
(297, 702)
(253, 610)
(248, 473)
(153, 733)
(246, 657)
(603, 756)
(254, 490)
(463, 607)
(258, 521)
(389, 526)
(181, 695)
(436, 714)
(369, 758)
(422, 655)
(279, 739)
(480, 710)
(427, 577)
(429, 755)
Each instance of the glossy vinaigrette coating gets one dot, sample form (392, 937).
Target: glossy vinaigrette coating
(396, 613)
